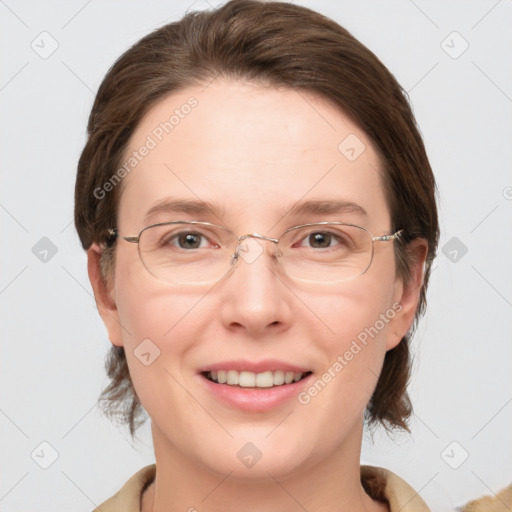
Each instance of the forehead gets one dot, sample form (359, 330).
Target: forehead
(251, 150)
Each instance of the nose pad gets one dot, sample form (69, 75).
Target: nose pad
(250, 248)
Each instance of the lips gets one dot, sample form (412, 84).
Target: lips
(255, 395)
(254, 386)
(266, 365)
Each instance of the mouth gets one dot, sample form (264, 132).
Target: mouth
(251, 380)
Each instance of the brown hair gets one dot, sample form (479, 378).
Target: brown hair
(279, 44)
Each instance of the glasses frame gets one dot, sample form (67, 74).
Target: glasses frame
(114, 234)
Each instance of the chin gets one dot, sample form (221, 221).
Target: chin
(249, 458)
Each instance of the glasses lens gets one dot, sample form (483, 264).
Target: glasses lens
(326, 252)
(186, 252)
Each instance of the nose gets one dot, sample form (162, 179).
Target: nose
(255, 300)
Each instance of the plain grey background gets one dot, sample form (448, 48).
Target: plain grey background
(454, 59)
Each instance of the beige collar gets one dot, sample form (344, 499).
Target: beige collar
(379, 483)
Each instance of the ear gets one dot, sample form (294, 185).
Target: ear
(104, 295)
(408, 294)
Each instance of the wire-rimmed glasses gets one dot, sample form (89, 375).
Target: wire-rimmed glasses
(194, 252)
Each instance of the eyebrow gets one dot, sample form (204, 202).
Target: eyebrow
(188, 206)
(326, 207)
(198, 207)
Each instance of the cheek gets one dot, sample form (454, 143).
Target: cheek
(159, 325)
(353, 310)
(149, 308)
(170, 320)
(351, 335)
(161, 331)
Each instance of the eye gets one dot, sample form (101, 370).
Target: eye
(322, 240)
(187, 240)
(178, 238)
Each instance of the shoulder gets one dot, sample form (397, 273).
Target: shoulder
(384, 485)
(501, 502)
(127, 499)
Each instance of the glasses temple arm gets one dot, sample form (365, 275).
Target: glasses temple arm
(386, 238)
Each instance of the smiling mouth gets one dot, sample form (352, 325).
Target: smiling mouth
(246, 379)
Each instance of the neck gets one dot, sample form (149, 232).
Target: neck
(322, 485)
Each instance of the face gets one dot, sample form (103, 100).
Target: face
(253, 152)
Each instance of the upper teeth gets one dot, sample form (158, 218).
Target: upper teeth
(250, 379)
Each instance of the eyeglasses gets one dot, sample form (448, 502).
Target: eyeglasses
(193, 252)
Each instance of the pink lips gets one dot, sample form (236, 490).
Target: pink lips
(255, 399)
(265, 365)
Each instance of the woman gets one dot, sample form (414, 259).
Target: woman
(260, 220)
